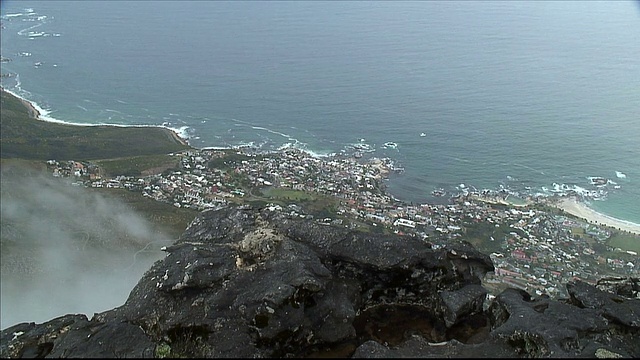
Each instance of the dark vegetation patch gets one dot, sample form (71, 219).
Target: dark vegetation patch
(139, 165)
(231, 160)
(22, 136)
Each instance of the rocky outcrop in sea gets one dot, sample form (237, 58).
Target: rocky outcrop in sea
(246, 282)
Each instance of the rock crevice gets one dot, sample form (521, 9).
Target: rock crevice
(256, 283)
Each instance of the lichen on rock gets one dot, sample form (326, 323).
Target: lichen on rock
(244, 282)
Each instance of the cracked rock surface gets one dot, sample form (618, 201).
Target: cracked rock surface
(246, 282)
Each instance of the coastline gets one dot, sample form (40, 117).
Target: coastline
(572, 206)
(38, 113)
(491, 200)
(179, 135)
(568, 204)
(33, 111)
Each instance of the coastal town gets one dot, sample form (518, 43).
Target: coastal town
(534, 246)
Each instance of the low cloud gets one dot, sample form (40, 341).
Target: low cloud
(67, 249)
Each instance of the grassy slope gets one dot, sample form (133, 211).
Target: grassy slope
(138, 165)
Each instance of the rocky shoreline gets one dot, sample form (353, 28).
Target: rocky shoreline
(255, 282)
(31, 109)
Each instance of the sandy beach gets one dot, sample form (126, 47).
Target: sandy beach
(573, 207)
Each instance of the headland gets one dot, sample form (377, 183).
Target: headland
(30, 135)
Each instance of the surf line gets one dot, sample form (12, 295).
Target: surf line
(530, 168)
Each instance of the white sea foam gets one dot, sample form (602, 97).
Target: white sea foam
(262, 128)
(319, 154)
(360, 146)
(25, 32)
(216, 148)
(272, 131)
(530, 168)
(44, 115)
(559, 189)
(599, 181)
(621, 175)
(17, 86)
(5, 16)
(181, 131)
(303, 148)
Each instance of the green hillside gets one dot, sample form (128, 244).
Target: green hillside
(22, 136)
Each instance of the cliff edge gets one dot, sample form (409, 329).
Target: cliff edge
(247, 282)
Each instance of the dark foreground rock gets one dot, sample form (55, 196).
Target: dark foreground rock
(244, 282)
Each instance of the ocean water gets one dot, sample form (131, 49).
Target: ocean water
(533, 97)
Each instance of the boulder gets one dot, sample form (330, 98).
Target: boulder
(245, 282)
